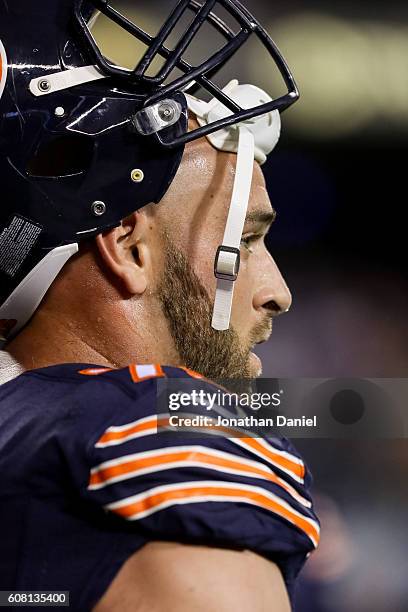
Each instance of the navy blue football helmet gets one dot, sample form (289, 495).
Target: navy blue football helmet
(83, 142)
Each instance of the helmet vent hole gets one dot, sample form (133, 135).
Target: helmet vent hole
(62, 157)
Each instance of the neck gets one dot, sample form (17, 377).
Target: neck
(37, 346)
(84, 318)
(110, 339)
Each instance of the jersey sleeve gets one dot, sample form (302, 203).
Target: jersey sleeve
(236, 492)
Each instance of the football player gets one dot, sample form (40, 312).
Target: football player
(132, 225)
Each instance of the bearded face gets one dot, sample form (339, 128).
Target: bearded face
(188, 310)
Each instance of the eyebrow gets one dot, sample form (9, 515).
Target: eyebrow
(261, 217)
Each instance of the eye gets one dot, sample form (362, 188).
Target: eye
(248, 241)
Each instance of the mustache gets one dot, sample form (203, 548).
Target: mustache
(261, 331)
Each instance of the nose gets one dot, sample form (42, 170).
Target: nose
(272, 294)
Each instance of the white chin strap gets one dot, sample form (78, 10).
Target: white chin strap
(251, 140)
(227, 260)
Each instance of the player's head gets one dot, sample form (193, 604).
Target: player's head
(85, 143)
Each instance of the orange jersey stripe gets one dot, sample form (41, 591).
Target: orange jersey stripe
(253, 444)
(202, 493)
(192, 373)
(151, 426)
(148, 426)
(256, 447)
(95, 371)
(277, 459)
(192, 456)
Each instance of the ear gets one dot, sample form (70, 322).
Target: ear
(125, 252)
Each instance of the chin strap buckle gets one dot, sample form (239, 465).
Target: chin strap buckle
(227, 262)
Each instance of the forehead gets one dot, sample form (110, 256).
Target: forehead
(195, 208)
(209, 173)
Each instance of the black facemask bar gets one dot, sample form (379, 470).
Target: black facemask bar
(200, 75)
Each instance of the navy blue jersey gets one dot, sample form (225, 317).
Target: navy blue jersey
(87, 477)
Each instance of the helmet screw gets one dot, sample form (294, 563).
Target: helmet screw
(166, 112)
(59, 111)
(137, 175)
(44, 85)
(98, 208)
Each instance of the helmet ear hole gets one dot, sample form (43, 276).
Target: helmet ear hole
(61, 157)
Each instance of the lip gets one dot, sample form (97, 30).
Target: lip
(266, 335)
(265, 339)
(256, 364)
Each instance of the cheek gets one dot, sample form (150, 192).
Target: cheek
(201, 253)
(242, 311)
(203, 265)
(254, 273)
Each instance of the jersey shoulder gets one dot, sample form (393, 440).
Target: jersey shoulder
(89, 388)
(77, 402)
(113, 436)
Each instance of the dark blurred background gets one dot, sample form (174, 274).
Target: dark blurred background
(338, 182)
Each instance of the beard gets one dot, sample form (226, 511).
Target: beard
(188, 310)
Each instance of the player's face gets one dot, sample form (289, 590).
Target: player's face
(201, 195)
